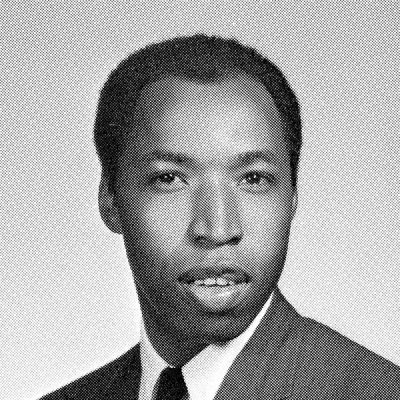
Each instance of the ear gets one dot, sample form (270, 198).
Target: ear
(107, 206)
(294, 203)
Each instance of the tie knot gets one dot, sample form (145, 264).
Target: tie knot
(171, 385)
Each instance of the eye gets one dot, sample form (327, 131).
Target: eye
(166, 178)
(168, 181)
(257, 181)
(253, 178)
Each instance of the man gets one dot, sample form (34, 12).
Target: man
(199, 139)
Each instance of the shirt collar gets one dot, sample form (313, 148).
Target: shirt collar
(205, 372)
(152, 365)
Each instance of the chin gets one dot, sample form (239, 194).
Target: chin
(216, 328)
(226, 331)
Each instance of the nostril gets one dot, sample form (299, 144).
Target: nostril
(206, 241)
(201, 239)
(235, 239)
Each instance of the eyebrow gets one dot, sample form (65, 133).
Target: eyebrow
(250, 157)
(168, 156)
(240, 160)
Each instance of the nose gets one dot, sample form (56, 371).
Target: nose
(216, 218)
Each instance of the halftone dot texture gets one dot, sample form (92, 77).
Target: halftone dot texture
(288, 356)
(67, 298)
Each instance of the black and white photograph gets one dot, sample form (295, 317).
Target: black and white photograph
(200, 200)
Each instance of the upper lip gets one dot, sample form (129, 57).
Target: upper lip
(229, 271)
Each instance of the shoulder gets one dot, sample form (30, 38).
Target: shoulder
(327, 355)
(98, 383)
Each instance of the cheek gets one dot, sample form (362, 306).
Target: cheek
(267, 223)
(160, 224)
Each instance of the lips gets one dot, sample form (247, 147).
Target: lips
(229, 273)
(218, 288)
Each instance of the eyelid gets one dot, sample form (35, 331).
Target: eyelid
(263, 174)
(153, 177)
(157, 174)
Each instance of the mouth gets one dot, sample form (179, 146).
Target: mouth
(217, 289)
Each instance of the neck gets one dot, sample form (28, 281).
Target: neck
(171, 347)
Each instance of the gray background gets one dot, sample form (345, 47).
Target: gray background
(67, 300)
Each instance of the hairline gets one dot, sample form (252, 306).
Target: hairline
(136, 80)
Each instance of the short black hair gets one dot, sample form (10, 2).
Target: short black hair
(200, 58)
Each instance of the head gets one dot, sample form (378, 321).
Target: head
(199, 140)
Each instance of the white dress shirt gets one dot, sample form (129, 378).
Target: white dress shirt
(204, 373)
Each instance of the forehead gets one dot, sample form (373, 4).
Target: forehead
(207, 120)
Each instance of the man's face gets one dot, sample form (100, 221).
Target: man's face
(205, 202)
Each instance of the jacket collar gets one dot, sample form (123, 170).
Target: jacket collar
(264, 369)
(266, 366)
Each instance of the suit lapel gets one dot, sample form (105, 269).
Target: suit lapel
(126, 381)
(264, 369)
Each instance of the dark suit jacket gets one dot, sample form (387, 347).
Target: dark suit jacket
(288, 357)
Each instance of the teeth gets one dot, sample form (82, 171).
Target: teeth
(210, 281)
(213, 282)
(222, 282)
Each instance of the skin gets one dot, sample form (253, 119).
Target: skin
(176, 215)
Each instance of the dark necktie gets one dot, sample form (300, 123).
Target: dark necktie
(171, 385)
